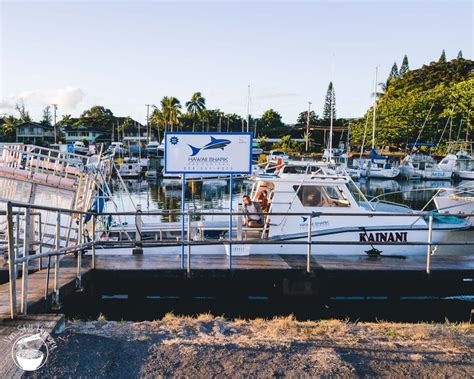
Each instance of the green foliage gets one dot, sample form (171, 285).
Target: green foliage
(394, 72)
(171, 110)
(24, 114)
(97, 117)
(47, 116)
(303, 118)
(442, 58)
(404, 68)
(196, 107)
(330, 104)
(447, 88)
(270, 119)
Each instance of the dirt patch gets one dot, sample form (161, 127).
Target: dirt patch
(213, 346)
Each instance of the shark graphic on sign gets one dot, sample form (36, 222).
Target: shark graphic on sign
(215, 143)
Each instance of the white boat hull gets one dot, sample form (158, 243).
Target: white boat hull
(469, 175)
(456, 205)
(378, 173)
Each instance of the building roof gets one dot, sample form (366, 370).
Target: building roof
(35, 124)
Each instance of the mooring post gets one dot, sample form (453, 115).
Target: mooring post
(11, 260)
(56, 265)
(231, 185)
(25, 266)
(138, 250)
(94, 220)
(428, 248)
(79, 253)
(310, 232)
(188, 263)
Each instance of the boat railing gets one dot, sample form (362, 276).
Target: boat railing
(88, 233)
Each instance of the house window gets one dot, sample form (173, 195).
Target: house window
(321, 196)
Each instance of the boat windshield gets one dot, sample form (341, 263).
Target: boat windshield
(358, 195)
(321, 196)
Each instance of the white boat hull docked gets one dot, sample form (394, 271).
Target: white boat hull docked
(451, 203)
(338, 241)
(379, 173)
(467, 175)
(340, 225)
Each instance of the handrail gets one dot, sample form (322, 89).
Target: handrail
(209, 213)
(81, 245)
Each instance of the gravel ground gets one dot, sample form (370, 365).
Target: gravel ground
(211, 346)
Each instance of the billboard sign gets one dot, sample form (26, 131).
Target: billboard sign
(216, 153)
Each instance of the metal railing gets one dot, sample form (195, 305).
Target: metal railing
(88, 240)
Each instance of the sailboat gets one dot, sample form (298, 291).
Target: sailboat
(377, 166)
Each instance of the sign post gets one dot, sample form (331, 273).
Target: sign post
(207, 153)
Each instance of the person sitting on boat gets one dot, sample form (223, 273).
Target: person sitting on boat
(253, 213)
(263, 200)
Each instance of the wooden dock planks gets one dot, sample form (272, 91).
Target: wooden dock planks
(36, 286)
(285, 262)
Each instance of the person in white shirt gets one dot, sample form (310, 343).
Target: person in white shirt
(253, 212)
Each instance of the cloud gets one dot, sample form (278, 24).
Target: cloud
(66, 98)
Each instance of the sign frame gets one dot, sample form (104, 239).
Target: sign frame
(249, 171)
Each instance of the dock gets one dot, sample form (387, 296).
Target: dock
(254, 275)
(268, 275)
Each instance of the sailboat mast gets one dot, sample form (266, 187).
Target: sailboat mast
(375, 104)
(248, 109)
(330, 125)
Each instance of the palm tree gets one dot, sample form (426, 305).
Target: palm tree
(170, 107)
(157, 119)
(9, 124)
(196, 106)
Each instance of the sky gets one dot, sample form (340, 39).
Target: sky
(125, 54)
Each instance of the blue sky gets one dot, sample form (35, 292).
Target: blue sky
(126, 54)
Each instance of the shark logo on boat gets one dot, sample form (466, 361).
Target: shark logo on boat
(215, 143)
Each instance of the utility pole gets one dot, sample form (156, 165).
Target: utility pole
(307, 126)
(148, 129)
(55, 108)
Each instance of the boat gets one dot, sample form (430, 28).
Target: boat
(80, 148)
(153, 149)
(340, 160)
(116, 149)
(372, 228)
(464, 166)
(456, 201)
(421, 166)
(377, 166)
(273, 155)
(130, 168)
